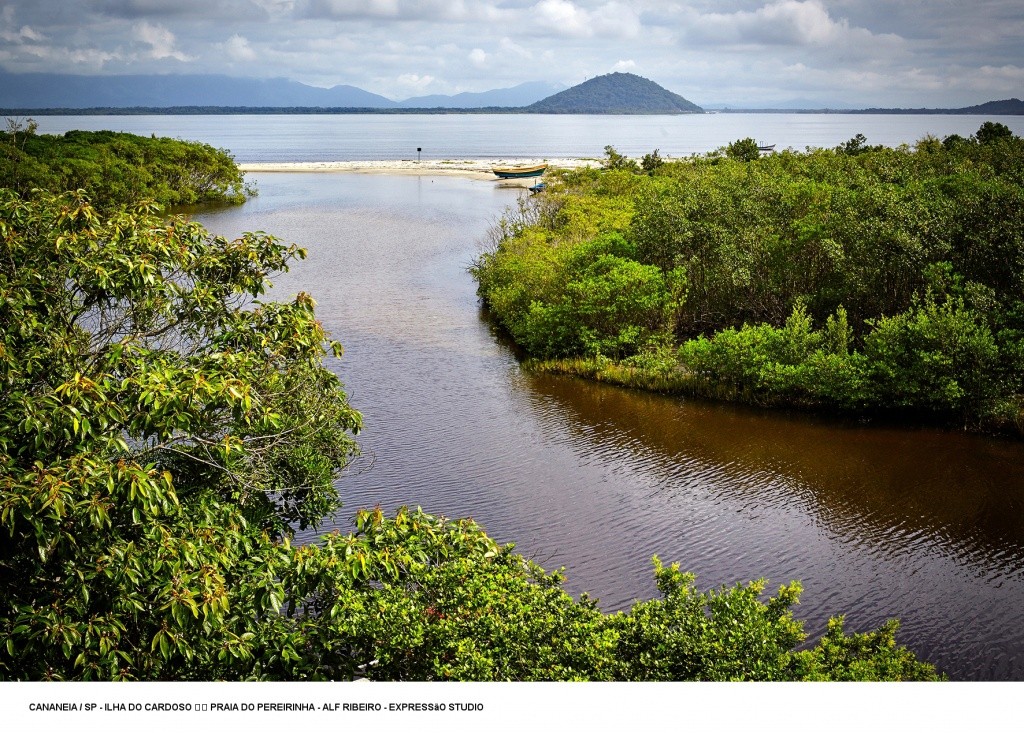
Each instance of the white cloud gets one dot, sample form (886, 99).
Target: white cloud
(440, 11)
(27, 34)
(80, 59)
(276, 7)
(237, 48)
(91, 57)
(562, 16)
(160, 40)
(565, 18)
(415, 82)
(21, 35)
(868, 52)
(478, 57)
(508, 46)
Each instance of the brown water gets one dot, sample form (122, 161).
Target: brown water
(875, 521)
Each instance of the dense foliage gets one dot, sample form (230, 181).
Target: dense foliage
(860, 278)
(118, 168)
(161, 434)
(157, 427)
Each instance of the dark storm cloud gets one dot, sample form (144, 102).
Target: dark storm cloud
(238, 10)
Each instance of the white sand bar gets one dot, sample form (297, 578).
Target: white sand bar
(451, 167)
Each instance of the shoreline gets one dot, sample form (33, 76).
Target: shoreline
(478, 168)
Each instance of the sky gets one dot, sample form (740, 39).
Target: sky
(740, 53)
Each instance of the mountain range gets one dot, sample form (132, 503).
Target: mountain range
(517, 96)
(71, 91)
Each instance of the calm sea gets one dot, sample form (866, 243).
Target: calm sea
(319, 138)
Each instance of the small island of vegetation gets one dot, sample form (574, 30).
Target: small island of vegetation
(118, 168)
(163, 433)
(861, 279)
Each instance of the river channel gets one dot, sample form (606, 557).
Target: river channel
(875, 521)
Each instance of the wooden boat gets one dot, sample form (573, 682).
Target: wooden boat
(766, 148)
(523, 171)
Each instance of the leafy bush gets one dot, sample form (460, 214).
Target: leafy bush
(937, 356)
(744, 150)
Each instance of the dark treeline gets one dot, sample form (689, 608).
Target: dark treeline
(997, 107)
(861, 278)
(116, 168)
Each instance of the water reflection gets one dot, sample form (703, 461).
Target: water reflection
(965, 489)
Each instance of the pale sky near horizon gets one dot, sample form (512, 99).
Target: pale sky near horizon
(906, 53)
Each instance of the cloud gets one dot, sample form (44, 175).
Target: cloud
(415, 82)
(508, 46)
(478, 57)
(795, 23)
(22, 35)
(566, 18)
(160, 40)
(871, 52)
(8, 32)
(236, 10)
(237, 48)
(437, 11)
(45, 58)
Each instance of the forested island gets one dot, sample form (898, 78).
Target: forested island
(118, 169)
(861, 280)
(164, 432)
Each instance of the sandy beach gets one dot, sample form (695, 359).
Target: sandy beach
(480, 169)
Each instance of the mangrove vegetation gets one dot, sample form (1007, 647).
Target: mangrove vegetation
(117, 168)
(860, 279)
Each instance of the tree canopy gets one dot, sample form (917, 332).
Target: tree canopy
(117, 168)
(156, 421)
(861, 278)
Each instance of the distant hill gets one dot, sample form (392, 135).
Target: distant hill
(174, 90)
(615, 93)
(517, 96)
(1012, 106)
(1000, 107)
(994, 108)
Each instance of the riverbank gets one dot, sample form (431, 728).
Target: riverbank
(477, 168)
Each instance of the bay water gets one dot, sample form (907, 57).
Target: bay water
(325, 138)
